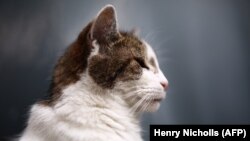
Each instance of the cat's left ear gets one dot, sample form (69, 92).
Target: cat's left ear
(135, 31)
(104, 28)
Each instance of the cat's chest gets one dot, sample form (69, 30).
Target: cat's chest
(103, 127)
(106, 125)
(97, 123)
(84, 124)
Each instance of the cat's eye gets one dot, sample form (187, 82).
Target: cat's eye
(142, 63)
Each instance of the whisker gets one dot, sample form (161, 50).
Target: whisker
(145, 98)
(133, 93)
(145, 105)
(148, 103)
(137, 104)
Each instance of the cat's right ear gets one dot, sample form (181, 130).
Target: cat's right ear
(104, 28)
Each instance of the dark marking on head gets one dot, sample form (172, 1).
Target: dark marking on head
(70, 65)
(118, 61)
(121, 57)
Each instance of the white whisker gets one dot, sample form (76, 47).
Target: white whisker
(145, 105)
(137, 104)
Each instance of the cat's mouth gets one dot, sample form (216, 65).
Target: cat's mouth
(154, 101)
(157, 99)
(157, 96)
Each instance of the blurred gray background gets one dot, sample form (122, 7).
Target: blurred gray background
(203, 47)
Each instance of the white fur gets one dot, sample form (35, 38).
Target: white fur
(86, 112)
(151, 54)
(95, 49)
(82, 115)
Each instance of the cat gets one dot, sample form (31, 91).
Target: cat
(100, 87)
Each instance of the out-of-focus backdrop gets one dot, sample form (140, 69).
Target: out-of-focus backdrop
(203, 48)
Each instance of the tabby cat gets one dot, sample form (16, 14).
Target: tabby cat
(101, 85)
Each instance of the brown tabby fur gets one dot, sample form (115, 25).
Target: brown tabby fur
(119, 60)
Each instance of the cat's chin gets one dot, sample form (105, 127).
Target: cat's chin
(153, 107)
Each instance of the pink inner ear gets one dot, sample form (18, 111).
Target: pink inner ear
(104, 28)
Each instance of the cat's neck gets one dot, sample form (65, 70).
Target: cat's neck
(85, 97)
(83, 105)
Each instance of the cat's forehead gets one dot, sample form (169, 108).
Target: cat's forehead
(151, 57)
(149, 51)
(130, 46)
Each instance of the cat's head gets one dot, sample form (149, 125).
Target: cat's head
(114, 60)
(123, 62)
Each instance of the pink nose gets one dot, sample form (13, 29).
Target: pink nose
(164, 85)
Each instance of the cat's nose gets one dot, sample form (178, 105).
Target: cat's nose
(164, 84)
